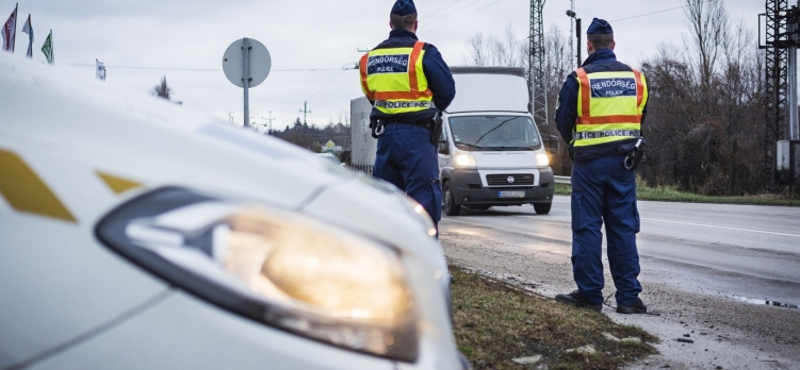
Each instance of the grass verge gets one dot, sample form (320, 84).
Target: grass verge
(671, 194)
(495, 323)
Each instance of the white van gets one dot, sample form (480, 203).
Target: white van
(490, 151)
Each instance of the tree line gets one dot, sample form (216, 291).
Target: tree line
(314, 138)
(705, 125)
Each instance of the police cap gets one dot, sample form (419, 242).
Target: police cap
(599, 27)
(404, 7)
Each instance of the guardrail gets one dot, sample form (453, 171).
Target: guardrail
(563, 180)
(368, 170)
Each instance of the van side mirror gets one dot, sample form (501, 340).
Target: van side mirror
(443, 147)
(552, 144)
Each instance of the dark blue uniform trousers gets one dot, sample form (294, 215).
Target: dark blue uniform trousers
(604, 191)
(407, 159)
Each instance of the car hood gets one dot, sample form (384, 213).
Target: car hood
(153, 142)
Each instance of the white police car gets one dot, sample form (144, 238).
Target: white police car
(135, 234)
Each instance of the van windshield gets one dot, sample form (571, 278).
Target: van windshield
(501, 133)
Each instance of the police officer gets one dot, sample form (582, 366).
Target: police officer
(408, 84)
(600, 111)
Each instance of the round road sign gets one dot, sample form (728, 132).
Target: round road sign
(260, 63)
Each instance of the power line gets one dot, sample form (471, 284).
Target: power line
(198, 69)
(659, 11)
(432, 14)
(638, 16)
(475, 11)
(333, 92)
(455, 12)
(329, 81)
(432, 22)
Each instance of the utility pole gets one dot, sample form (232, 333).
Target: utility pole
(305, 112)
(571, 30)
(572, 15)
(536, 68)
(269, 120)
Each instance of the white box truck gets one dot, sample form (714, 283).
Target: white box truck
(490, 151)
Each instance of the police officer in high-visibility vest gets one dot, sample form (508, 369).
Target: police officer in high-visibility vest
(408, 84)
(600, 111)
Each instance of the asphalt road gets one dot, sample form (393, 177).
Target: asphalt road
(713, 269)
(717, 245)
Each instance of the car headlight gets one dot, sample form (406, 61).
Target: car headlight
(542, 159)
(465, 160)
(273, 266)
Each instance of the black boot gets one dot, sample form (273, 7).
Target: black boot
(577, 299)
(638, 307)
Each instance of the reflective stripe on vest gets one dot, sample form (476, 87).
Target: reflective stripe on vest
(610, 106)
(597, 134)
(393, 78)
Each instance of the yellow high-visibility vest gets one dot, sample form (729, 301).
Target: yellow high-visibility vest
(393, 78)
(610, 106)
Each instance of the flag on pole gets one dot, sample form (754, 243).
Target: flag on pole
(10, 31)
(47, 48)
(29, 30)
(101, 70)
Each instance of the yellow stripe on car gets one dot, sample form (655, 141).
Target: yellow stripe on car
(26, 192)
(118, 185)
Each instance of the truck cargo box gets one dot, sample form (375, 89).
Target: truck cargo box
(489, 89)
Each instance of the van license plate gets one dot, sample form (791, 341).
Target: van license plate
(511, 194)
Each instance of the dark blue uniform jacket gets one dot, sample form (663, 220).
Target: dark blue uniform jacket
(440, 80)
(603, 60)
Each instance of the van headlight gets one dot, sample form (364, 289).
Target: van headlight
(273, 266)
(465, 160)
(542, 159)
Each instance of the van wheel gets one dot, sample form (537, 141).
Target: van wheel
(542, 208)
(450, 206)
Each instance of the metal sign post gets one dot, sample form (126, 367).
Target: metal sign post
(246, 79)
(246, 64)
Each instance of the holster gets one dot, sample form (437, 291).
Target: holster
(634, 157)
(436, 128)
(376, 126)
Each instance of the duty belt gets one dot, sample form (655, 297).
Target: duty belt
(403, 104)
(598, 134)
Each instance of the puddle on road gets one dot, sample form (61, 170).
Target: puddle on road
(764, 302)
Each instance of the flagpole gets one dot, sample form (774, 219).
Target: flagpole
(16, 17)
(28, 28)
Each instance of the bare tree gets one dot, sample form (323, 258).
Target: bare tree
(708, 22)
(502, 51)
(162, 90)
(705, 105)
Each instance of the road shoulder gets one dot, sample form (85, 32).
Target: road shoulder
(725, 334)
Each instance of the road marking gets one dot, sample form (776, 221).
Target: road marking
(721, 227)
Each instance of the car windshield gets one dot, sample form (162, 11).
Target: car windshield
(494, 133)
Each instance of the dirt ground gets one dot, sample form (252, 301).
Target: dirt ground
(725, 334)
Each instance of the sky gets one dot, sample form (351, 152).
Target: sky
(314, 44)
